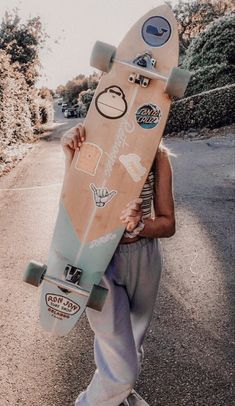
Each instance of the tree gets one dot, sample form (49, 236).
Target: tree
(45, 93)
(194, 16)
(213, 46)
(15, 115)
(22, 43)
(71, 91)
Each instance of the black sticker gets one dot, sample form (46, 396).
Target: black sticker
(111, 103)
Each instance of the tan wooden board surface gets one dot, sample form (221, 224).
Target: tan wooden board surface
(119, 152)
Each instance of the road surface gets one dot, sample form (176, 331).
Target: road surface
(190, 346)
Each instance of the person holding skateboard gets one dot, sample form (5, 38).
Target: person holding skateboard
(132, 279)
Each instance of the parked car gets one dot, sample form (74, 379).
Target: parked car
(64, 107)
(70, 112)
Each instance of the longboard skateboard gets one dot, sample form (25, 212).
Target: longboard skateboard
(124, 126)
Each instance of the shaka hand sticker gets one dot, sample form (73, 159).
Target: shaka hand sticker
(101, 195)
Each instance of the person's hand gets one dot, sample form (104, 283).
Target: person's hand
(132, 214)
(73, 140)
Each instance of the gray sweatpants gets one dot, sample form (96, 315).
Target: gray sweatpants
(132, 279)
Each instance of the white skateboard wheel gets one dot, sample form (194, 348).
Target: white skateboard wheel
(102, 55)
(177, 82)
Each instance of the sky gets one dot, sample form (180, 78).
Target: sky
(73, 26)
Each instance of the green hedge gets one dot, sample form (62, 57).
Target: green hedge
(211, 109)
(215, 45)
(210, 77)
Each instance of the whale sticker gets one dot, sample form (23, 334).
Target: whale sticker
(156, 31)
(111, 103)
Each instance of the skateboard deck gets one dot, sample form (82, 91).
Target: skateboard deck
(124, 126)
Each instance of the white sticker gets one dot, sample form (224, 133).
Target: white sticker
(120, 141)
(88, 158)
(102, 240)
(102, 195)
(132, 163)
(61, 304)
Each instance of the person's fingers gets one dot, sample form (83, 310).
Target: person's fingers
(130, 227)
(132, 220)
(131, 213)
(71, 143)
(69, 152)
(80, 131)
(135, 202)
(75, 141)
(67, 148)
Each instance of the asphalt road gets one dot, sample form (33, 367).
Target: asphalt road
(189, 348)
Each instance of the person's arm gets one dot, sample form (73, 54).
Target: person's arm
(163, 225)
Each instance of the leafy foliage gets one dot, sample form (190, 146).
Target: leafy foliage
(210, 77)
(71, 91)
(212, 109)
(15, 115)
(215, 45)
(194, 16)
(85, 99)
(22, 43)
(19, 99)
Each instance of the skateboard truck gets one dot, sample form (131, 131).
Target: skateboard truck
(73, 275)
(176, 82)
(141, 68)
(144, 61)
(147, 72)
(37, 272)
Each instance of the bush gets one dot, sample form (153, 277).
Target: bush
(215, 45)
(46, 110)
(211, 109)
(85, 99)
(210, 77)
(15, 115)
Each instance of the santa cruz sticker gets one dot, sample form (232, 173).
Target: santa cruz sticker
(111, 103)
(61, 304)
(148, 116)
(156, 31)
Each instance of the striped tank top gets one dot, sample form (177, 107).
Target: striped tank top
(147, 194)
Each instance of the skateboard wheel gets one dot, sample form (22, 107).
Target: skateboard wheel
(177, 82)
(34, 273)
(97, 297)
(102, 55)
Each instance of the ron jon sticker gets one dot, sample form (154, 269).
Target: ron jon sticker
(62, 304)
(148, 116)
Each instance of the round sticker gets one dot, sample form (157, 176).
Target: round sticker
(148, 116)
(156, 31)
